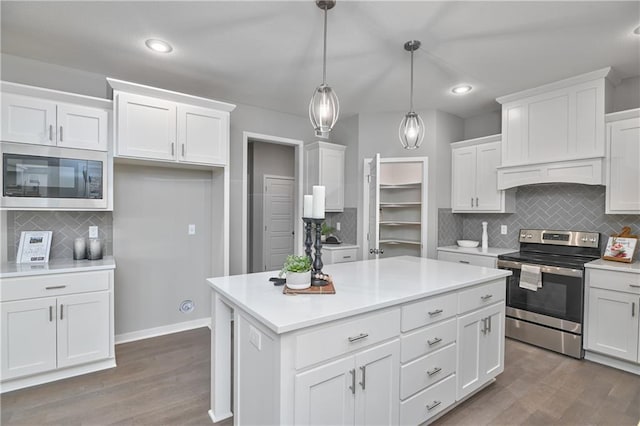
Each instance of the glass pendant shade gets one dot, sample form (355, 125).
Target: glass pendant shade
(411, 131)
(324, 109)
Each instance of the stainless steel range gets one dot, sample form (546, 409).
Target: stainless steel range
(545, 294)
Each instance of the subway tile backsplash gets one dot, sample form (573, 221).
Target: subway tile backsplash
(66, 227)
(546, 206)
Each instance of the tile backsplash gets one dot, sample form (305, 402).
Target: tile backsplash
(348, 224)
(66, 227)
(546, 206)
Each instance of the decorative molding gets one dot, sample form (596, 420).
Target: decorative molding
(161, 331)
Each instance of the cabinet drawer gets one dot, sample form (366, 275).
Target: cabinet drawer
(333, 340)
(483, 295)
(425, 371)
(429, 402)
(427, 340)
(470, 259)
(54, 284)
(428, 311)
(341, 256)
(613, 280)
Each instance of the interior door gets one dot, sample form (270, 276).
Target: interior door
(278, 220)
(374, 208)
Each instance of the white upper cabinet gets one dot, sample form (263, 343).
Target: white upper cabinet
(47, 117)
(474, 179)
(157, 124)
(623, 163)
(324, 165)
(555, 133)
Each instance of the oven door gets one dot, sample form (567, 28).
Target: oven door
(558, 304)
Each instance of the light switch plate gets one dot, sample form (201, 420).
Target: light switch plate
(192, 229)
(255, 338)
(503, 229)
(93, 232)
(337, 226)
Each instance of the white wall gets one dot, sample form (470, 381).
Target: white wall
(626, 95)
(483, 125)
(346, 133)
(268, 159)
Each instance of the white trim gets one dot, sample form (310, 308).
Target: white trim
(161, 331)
(55, 95)
(622, 115)
(265, 178)
(612, 362)
(298, 171)
(366, 170)
(477, 141)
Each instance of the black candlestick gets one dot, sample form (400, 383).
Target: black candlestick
(317, 262)
(308, 242)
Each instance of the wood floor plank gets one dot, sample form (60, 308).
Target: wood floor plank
(165, 381)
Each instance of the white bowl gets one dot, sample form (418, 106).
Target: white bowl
(468, 243)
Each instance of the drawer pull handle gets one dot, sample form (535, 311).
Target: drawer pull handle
(434, 371)
(346, 257)
(363, 383)
(486, 297)
(358, 337)
(436, 312)
(353, 380)
(634, 285)
(434, 341)
(55, 287)
(433, 405)
(466, 262)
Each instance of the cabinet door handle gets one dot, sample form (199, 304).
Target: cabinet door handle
(433, 405)
(60, 133)
(51, 132)
(434, 341)
(477, 204)
(634, 285)
(471, 201)
(353, 380)
(633, 309)
(50, 313)
(484, 326)
(466, 262)
(486, 297)
(358, 337)
(434, 371)
(183, 150)
(436, 312)
(55, 287)
(364, 376)
(489, 321)
(61, 311)
(173, 148)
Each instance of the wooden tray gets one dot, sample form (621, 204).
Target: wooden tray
(326, 289)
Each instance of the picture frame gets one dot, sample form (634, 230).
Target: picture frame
(34, 247)
(620, 249)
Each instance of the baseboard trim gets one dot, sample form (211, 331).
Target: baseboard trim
(161, 331)
(219, 418)
(612, 362)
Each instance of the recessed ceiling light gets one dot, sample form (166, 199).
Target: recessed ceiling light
(637, 31)
(158, 45)
(460, 90)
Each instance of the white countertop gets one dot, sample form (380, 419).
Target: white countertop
(608, 265)
(490, 252)
(361, 286)
(338, 246)
(10, 270)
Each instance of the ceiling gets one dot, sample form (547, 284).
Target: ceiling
(269, 53)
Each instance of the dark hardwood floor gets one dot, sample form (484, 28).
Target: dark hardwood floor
(165, 381)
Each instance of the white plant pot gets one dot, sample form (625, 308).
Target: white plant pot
(299, 280)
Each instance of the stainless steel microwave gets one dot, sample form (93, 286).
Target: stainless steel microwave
(43, 177)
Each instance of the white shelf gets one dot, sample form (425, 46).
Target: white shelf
(401, 185)
(393, 242)
(398, 223)
(401, 204)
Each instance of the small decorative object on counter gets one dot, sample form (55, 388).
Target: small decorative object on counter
(94, 251)
(485, 237)
(79, 249)
(34, 247)
(621, 247)
(298, 272)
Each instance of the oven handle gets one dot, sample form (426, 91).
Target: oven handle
(555, 270)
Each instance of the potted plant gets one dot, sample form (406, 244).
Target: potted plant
(298, 272)
(325, 231)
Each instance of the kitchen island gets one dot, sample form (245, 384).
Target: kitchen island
(402, 341)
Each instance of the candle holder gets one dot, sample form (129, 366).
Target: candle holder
(308, 242)
(317, 262)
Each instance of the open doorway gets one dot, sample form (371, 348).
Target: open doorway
(272, 203)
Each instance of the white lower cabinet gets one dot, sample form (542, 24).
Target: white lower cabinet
(481, 348)
(50, 334)
(429, 402)
(360, 389)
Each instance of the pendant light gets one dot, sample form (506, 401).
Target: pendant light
(411, 131)
(324, 107)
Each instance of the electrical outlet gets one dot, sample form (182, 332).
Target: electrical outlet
(192, 229)
(93, 232)
(337, 226)
(503, 229)
(255, 338)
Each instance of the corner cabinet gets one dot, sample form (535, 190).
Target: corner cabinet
(397, 207)
(157, 124)
(622, 167)
(324, 165)
(55, 326)
(474, 179)
(38, 116)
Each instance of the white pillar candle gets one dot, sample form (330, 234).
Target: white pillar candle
(307, 210)
(318, 202)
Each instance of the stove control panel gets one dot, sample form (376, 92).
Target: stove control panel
(564, 238)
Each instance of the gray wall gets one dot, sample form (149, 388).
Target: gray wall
(483, 125)
(626, 95)
(346, 133)
(267, 159)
